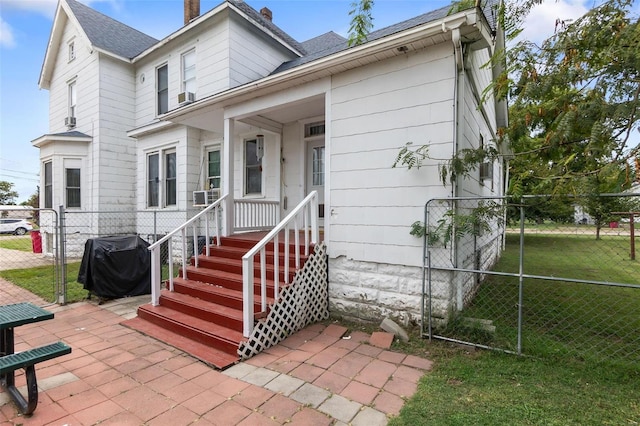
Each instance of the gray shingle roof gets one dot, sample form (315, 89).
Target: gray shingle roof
(336, 45)
(240, 4)
(71, 134)
(108, 34)
(323, 42)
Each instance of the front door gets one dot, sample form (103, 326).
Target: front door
(315, 172)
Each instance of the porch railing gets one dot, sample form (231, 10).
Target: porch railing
(255, 215)
(195, 224)
(303, 218)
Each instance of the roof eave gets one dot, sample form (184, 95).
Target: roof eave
(344, 56)
(47, 139)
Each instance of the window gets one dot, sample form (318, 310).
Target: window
(253, 168)
(73, 187)
(162, 82)
(317, 171)
(314, 129)
(153, 180)
(72, 99)
(189, 71)
(72, 51)
(170, 179)
(162, 188)
(213, 171)
(48, 185)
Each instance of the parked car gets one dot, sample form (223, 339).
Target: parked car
(15, 226)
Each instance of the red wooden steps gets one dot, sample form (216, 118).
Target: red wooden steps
(203, 315)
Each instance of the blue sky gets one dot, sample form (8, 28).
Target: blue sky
(25, 26)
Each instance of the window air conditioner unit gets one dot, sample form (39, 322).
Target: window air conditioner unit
(185, 98)
(70, 121)
(486, 170)
(205, 198)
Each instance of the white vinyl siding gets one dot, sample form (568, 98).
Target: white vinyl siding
(375, 110)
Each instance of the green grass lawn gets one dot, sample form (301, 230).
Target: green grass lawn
(40, 281)
(17, 243)
(580, 341)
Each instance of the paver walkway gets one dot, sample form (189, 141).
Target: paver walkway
(117, 376)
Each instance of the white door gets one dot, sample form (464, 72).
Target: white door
(315, 173)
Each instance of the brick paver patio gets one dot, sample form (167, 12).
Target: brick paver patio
(116, 376)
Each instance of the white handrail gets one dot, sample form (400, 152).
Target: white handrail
(308, 208)
(156, 273)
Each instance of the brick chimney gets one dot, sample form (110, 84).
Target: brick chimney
(191, 10)
(266, 14)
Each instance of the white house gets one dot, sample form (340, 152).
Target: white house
(231, 102)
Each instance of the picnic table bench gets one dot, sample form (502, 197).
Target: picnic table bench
(12, 316)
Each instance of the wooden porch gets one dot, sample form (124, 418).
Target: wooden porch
(205, 314)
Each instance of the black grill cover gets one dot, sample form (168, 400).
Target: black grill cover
(115, 267)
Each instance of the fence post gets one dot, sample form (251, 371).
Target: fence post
(520, 278)
(61, 295)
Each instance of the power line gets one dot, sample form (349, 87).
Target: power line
(18, 171)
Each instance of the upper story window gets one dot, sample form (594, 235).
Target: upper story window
(162, 179)
(189, 71)
(162, 87)
(72, 177)
(48, 185)
(72, 51)
(253, 168)
(72, 99)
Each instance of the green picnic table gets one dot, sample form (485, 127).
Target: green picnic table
(12, 316)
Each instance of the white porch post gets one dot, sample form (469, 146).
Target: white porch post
(227, 177)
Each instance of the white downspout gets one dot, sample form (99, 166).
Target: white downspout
(459, 104)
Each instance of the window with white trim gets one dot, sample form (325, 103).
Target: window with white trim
(48, 185)
(189, 71)
(162, 187)
(213, 169)
(162, 88)
(72, 185)
(252, 167)
(170, 179)
(72, 99)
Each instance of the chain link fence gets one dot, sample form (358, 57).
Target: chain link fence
(50, 255)
(543, 276)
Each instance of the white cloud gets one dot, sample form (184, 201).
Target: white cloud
(6, 35)
(541, 22)
(44, 7)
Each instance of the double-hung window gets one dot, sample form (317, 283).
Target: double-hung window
(48, 185)
(162, 87)
(162, 179)
(253, 168)
(189, 71)
(72, 98)
(213, 169)
(72, 181)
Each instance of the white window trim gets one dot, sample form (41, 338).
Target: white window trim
(183, 82)
(246, 194)
(72, 98)
(66, 187)
(205, 175)
(157, 95)
(162, 181)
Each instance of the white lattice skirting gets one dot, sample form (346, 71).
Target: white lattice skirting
(303, 302)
